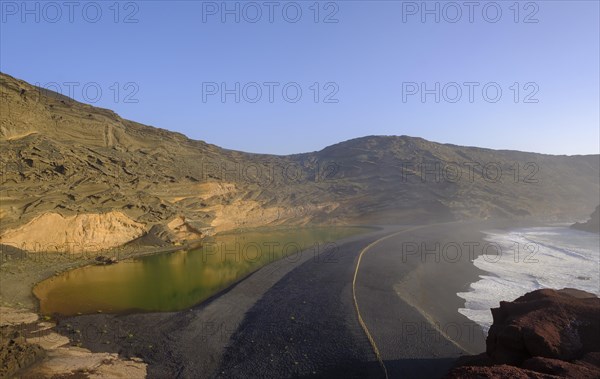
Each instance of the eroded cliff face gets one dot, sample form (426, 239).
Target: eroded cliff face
(83, 232)
(64, 158)
(543, 334)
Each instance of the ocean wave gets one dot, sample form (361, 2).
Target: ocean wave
(562, 259)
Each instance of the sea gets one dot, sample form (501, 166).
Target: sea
(523, 260)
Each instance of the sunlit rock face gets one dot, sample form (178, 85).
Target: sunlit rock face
(52, 232)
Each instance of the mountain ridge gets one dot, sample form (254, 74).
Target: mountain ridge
(62, 156)
(49, 93)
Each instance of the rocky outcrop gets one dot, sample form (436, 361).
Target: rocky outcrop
(15, 352)
(30, 348)
(543, 334)
(592, 225)
(184, 230)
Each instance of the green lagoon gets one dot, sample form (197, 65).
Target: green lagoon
(179, 280)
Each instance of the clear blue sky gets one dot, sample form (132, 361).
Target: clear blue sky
(176, 46)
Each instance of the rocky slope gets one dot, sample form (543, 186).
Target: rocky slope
(106, 180)
(543, 334)
(592, 225)
(30, 348)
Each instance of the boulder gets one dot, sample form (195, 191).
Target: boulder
(543, 334)
(544, 323)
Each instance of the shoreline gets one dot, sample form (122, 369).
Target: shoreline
(407, 292)
(32, 272)
(513, 275)
(40, 290)
(61, 263)
(33, 345)
(169, 341)
(249, 290)
(28, 269)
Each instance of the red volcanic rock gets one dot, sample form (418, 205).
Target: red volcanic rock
(545, 323)
(543, 334)
(577, 369)
(497, 372)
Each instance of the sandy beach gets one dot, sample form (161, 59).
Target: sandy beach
(406, 289)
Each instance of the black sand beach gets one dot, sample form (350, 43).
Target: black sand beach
(296, 317)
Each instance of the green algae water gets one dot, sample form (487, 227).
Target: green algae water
(181, 279)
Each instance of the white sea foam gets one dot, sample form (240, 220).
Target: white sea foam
(523, 260)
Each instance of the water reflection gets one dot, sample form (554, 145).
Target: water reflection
(179, 280)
